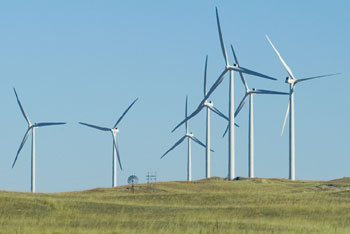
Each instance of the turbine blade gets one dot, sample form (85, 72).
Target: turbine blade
(215, 85)
(48, 124)
(186, 125)
(127, 109)
(205, 75)
(240, 73)
(285, 118)
(226, 130)
(115, 143)
(221, 38)
(250, 72)
(316, 77)
(234, 55)
(118, 155)
(21, 107)
(21, 145)
(201, 104)
(216, 111)
(188, 118)
(263, 91)
(195, 139)
(97, 127)
(240, 106)
(176, 144)
(281, 59)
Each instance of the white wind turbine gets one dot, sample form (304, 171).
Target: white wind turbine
(292, 81)
(209, 105)
(250, 93)
(189, 137)
(31, 127)
(114, 131)
(228, 67)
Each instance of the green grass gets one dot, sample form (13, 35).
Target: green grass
(205, 206)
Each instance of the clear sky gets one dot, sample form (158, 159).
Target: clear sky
(88, 60)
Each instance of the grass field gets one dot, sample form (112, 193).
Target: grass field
(205, 206)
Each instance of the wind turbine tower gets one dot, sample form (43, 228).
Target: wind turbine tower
(114, 132)
(31, 127)
(292, 81)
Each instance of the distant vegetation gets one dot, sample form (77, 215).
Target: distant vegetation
(205, 206)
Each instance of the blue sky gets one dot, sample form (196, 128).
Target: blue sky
(88, 60)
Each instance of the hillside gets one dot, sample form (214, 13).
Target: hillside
(205, 206)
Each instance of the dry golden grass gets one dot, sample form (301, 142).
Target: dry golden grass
(205, 206)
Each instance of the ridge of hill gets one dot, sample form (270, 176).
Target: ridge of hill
(212, 205)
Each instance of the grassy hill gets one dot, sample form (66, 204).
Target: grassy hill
(205, 206)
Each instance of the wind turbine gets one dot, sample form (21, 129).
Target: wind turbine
(292, 81)
(250, 93)
(189, 137)
(114, 131)
(231, 69)
(31, 127)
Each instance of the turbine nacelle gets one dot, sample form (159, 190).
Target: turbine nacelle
(250, 91)
(114, 130)
(189, 134)
(208, 103)
(228, 67)
(290, 80)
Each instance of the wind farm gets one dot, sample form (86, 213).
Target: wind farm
(209, 105)
(249, 93)
(202, 151)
